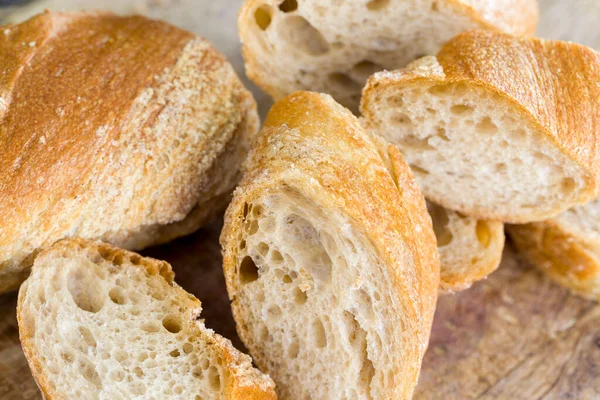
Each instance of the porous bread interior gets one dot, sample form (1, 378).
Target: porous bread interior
(470, 151)
(333, 47)
(467, 246)
(317, 314)
(114, 331)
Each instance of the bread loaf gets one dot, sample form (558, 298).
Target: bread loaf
(331, 269)
(115, 128)
(97, 322)
(566, 247)
(332, 47)
(496, 127)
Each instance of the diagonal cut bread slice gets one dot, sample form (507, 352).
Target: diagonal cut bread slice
(469, 249)
(333, 46)
(97, 322)
(566, 247)
(496, 127)
(332, 269)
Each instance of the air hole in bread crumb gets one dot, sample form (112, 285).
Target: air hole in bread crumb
(319, 335)
(440, 220)
(375, 5)
(434, 6)
(214, 378)
(418, 170)
(274, 312)
(287, 279)
(67, 356)
(245, 210)
(486, 126)
(175, 353)
(262, 16)
(138, 372)
(248, 270)
(299, 296)
(252, 227)
(441, 133)
(172, 323)
(117, 295)
(88, 336)
(288, 6)
(198, 372)
(117, 375)
(341, 81)
(401, 119)
(484, 236)
(118, 260)
(90, 373)
(501, 168)
(568, 185)
(294, 348)
(276, 257)
(303, 36)
(366, 68)
(188, 348)
(84, 290)
(461, 109)
(263, 249)
(395, 101)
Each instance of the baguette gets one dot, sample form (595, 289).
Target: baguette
(98, 322)
(115, 128)
(511, 121)
(566, 247)
(332, 271)
(332, 47)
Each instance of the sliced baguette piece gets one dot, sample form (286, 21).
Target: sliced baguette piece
(332, 47)
(332, 271)
(496, 127)
(122, 129)
(469, 249)
(566, 247)
(98, 322)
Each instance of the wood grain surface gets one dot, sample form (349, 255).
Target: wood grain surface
(515, 335)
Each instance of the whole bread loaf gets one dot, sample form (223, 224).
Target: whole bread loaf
(115, 128)
(495, 126)
(330, 262)
(333, 46)
(98, 322)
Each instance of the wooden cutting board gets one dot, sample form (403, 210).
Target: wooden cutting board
(515, 335)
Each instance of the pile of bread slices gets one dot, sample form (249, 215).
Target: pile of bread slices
(346, 223)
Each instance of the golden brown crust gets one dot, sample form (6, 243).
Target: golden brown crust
(541, 80)
(567, 258)
(124, 121)
(241, 383)
(313, 145)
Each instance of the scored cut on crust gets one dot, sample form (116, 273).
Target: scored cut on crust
(495, 126)
(566, 247)
(330, 263)
(332, 47)
(98, 322)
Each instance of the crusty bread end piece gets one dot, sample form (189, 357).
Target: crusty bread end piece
(121, 129)
(332, 271)
(97, 322)
(496, 127)
(566, 247)
(333, 46)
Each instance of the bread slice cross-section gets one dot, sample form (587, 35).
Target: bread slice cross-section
(333, 46)
(496, 127)
(330, 263)
(97, 322)
(566, 247)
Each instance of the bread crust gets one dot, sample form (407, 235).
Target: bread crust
(240, 385)
(117, 128)
(518, 17)
(312, 145)
(570, 258)
(540, 79)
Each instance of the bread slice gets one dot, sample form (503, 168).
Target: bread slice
(332, 47)
(566, 247)
(332, 271)
(496, 127)
(469, 249)
(123, 129)
(97, 322)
